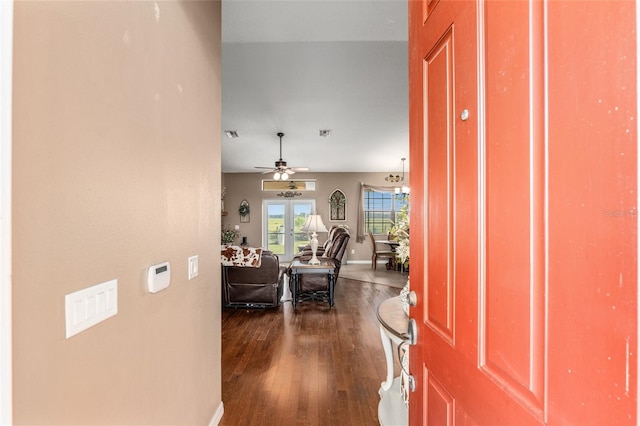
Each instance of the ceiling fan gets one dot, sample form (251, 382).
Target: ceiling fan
(281, 171)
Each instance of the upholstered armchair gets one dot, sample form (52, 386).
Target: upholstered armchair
(251, 282)
(336, 233)
(334, 248)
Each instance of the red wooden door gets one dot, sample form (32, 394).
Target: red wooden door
(524, 212)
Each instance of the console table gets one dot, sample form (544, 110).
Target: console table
(394, 325)
(326, 267)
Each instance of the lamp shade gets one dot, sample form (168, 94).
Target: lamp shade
(314, 224)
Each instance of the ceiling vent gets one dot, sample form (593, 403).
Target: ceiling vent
(325, 133)
(231, 134)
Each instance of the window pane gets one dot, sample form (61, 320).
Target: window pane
(300, 214)
(275, 228)
(380, 210)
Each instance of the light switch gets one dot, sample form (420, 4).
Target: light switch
(87, 307)
(193, 267)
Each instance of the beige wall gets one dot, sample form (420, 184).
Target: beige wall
(116, 167)
(248, 186)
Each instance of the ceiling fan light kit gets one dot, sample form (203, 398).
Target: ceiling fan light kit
(281, 171)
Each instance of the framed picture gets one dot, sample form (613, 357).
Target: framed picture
(338, 202)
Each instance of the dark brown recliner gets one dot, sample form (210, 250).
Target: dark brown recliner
(334, 248)
(245, 287)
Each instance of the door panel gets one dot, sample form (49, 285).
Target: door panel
(440, 403)
(527, 279)
(438, 75)
(512, 237)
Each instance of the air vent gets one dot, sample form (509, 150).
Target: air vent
(231, 134)
(325, 133)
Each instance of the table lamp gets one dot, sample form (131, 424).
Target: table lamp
(314, 224)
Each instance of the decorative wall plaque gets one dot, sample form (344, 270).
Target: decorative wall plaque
(338, 202)
(245, 211)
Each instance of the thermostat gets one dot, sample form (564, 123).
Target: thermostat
(158, 277)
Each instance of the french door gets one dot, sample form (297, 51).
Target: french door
(282, 226)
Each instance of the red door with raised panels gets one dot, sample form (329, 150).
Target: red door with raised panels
(523, 212)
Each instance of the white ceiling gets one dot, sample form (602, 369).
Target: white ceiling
(299, 66)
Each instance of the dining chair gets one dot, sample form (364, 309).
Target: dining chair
(375, 253)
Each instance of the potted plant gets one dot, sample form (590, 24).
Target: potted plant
(229, 235)
(400, 232)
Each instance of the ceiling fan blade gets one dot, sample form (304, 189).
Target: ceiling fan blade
(281, 165)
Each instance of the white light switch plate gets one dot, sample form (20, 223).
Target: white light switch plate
(193, 267)
(87, 307)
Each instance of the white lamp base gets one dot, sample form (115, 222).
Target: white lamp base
(314, 247)
(286, 292)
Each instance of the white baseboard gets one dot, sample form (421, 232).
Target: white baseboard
(359, 262)
(365, 262)
(217, 416)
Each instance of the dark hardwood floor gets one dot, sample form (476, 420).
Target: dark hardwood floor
(311, 366)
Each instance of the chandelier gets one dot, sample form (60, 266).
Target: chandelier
(397, 178)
